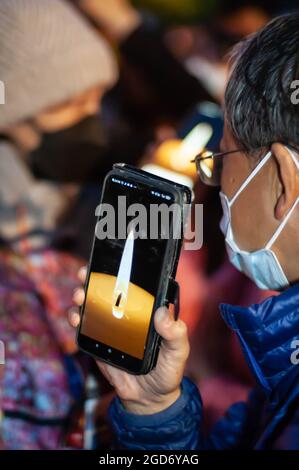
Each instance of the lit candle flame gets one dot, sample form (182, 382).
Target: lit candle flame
(193, 143)
(120, 293)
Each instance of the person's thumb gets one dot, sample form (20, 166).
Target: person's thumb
(173, 332)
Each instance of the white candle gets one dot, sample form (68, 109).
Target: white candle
(120, 293)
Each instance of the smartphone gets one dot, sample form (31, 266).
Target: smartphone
(131, 272)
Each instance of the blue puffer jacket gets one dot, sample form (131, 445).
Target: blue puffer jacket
(268, 420)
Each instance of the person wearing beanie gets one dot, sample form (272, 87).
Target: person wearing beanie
(55, 68)
(49, 55)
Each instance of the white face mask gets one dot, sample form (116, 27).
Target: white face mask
(262, 266)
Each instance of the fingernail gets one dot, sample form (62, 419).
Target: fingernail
(76, 292)
(82, 272)
(73, 315)
(72, 310)
(163, 316)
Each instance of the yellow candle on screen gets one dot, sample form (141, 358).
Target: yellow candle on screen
(127, 333)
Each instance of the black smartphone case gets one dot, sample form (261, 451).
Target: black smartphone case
(168, 290)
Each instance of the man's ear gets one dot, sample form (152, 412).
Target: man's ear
(288, 177)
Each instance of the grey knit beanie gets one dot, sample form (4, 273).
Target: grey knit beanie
(48, 54)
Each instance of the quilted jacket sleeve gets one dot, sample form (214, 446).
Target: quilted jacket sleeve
(179, 427)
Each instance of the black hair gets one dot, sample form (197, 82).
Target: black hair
(260, 102)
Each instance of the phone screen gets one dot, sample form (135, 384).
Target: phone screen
(125, 271)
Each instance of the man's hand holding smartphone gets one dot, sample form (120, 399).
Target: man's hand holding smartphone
(157, 390)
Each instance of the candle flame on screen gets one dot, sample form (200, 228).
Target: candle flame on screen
(120, 293)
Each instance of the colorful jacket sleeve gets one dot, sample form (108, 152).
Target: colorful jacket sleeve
(179, 427)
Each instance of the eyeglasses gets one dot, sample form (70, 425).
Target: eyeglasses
(209, 166)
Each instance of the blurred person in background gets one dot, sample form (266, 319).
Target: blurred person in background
(55, 69)
(151, 75)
